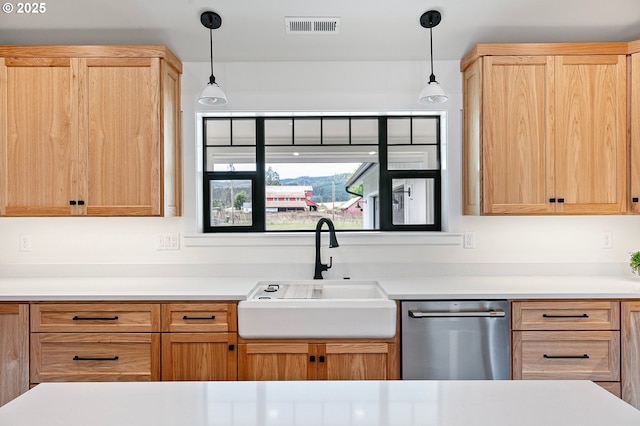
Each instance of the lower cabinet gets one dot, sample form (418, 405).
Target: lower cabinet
(14, 350)
(73, 342)
(567, 340)
(631, 352)
(102, 341)
(199, 341)
(318, 360)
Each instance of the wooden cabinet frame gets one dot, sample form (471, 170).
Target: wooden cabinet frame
(522, 150)
(102, 156)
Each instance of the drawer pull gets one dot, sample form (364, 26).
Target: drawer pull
(78, 358)
(77, 318)
(212, 317)
(585, 356)
(565, 316)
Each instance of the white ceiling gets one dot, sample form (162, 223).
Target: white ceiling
(253, 30)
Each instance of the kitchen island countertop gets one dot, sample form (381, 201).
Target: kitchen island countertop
(206, 288)
(371, 403)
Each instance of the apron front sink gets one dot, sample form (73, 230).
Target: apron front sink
(317, 309)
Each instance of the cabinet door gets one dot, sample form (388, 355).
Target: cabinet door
(590, 133)
(14, 353)
(355, 361)
(122, 131)
(277, 361)
(635, 133)
(38, 141)
(199, 356)
(517, 167)
(631, 352)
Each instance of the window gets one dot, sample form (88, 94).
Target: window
(283, 173)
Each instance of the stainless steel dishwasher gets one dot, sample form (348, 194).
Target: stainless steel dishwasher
(456, 340)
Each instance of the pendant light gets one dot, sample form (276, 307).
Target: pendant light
(432, 92)
(212, 93)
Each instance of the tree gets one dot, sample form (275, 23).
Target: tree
(239, 200)
(271, 177)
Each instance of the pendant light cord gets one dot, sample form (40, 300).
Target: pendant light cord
(432, 77)
(212, 79)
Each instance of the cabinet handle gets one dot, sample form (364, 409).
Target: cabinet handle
(561, 200)
(634, 199)
(466, 314)
(552, 200)
(78, 358)
(231, 347)
(585, 356)
(321, 358)
(81, 203)
(312, 358)
(77, 318)
(185, 317)
(72, 202)
(565, 316)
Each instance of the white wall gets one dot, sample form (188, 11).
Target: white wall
(115, 246)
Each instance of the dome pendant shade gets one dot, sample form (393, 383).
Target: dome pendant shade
(212, 94)
(432, 93)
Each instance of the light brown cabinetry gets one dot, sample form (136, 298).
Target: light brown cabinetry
(89, 131)
(199, 341)
(95, 342)
(317, 360)
(544, 133)
(577, 340)
(14, 350)
(631, 352)
(634, 126)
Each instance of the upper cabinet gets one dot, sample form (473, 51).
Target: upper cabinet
(89, 130)
(635, 130)
(544, 130)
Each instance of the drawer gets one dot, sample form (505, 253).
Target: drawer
(566, 315)
(199, 317)
(104, 357)
(573, 355)
(95, 318)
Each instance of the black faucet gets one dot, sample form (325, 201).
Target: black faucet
(333, 242)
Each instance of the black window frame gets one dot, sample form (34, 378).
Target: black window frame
(386, 176)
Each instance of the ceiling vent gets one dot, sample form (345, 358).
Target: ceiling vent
(306, 25)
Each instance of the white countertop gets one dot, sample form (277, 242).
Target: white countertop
(204, 288)
(315, 403)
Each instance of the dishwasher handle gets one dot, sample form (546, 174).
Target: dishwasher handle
(466, 314)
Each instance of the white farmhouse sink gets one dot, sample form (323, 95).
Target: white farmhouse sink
(317, 309)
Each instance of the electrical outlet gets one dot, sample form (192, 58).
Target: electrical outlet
(168, 241)
(607, 240)
(469, 240)
(25, 243)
